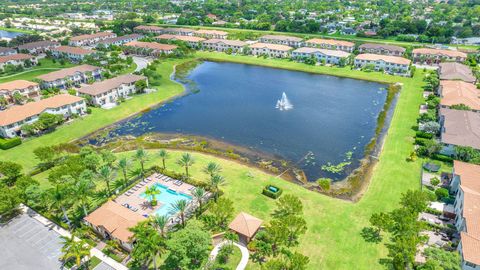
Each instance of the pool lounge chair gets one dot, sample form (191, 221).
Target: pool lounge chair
(191, 188)
(178, 183)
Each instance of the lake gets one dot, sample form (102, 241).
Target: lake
(332, 119)
(9, 34)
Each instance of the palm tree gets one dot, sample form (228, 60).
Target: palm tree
(59, 198)
(123, 165)
(161, 223)
(180, 207)
(198, 194)
(216, 181)
(163, 154)
(149, 245)
(106, 174)
(151, 192)
(83, 190)
(186, 160)
(212, 168)
(74, 249)
(142, 156)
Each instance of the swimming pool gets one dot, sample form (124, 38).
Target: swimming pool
(166, 198)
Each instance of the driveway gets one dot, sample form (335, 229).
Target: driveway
(245, 254)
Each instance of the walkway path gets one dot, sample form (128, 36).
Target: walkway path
(93, 252)
(141, 62)
(245, 254)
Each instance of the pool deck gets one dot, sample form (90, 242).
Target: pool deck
(133, 196)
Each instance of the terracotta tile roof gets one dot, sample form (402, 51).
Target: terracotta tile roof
(106, 85)
(210, 32)
(18, 56)
(116, 219)
(66, 72)
(460, 128)
(385, 58)
(471, 211)
(459, 92)
(335, 53)
(120, 38)
(448, 53)
(6, 50)
(245, 224)
(270, 46)
(148, 28)
(17, 84)
(151, 45)
(18, 113)
(386, 47)
(332, 42)
(456, 71)
(38, 44)
(178, 30)
(469, 174)
(470, 248)
(229, 42)
(73, 50)
(282, 37)
(182, 38)
(92, 36)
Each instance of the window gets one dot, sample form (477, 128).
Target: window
(471, 264)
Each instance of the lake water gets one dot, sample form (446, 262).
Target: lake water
(9, 34)
(332, 118)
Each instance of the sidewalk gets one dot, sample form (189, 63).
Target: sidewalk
(93, 252)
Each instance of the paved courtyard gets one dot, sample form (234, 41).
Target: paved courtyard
(26, 244)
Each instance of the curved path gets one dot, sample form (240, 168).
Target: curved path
(245, 254)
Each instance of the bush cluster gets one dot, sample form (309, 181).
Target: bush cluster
(274, 195)
(9, 143)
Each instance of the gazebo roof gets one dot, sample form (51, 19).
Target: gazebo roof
(245, 224)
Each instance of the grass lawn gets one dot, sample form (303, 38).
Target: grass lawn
(24, 31)
(333, 238)
(233, 259)
(46, 66)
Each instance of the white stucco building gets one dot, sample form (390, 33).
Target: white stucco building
(68, 77)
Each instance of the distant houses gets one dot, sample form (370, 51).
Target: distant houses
(436, 56)
(18, 59)
(148, 29)
(118, 41)
(381, 49)
(148, 48)
(192, 41)
(282, 40)
(459, 128)
(179, 31)
(391, 64)
(38, 47)
(321, 55)
(68, 77)
(7, 51)
(75, 54)
(271, 50)
(456, 71)
(26, 89)
(107, 93)
(331, 44)
(13, 118)
(211, 34)
(224, 45)
(91, 39)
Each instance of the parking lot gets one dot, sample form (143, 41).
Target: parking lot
(27, 244)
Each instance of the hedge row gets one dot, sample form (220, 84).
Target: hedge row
(424, 135)
(443, 158)
(421, 141)
(274, 195)
(9, 143)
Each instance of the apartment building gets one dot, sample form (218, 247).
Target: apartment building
(68, 77)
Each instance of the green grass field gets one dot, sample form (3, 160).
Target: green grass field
(333, 238)
(46, 66)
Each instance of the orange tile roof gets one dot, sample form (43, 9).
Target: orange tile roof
(17, 84)
(18, 113)
(182, 38)
(116, 219)
(469, 174)
(459, 92)
(471, 210)
(92, 36)
(151, 45)
(270, 46)
(332, 42)
(73, 50)
(245, 224)
(470, 248)
(385, 58)
(106, 85)
(449, 53)
(282, 37)
(66, 72)
(18, 56)
(210, 32)
(148, 28)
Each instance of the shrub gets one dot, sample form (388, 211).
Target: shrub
(422, 141)
(442, 158)
(274, 195)
(9, 143)
(442, 193)
(423, 135)
(434, 181)
(324, 183)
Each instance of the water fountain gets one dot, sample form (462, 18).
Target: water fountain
(284, 104)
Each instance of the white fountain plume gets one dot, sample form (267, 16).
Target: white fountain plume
(284, 104)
